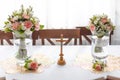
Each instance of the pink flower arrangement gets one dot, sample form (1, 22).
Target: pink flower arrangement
(31, 64)
(22, 21)
(99, 66)
(100, 25)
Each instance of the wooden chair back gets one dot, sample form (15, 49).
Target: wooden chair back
(9, 36)
(84, 32)
(49, 34)
(6, 36)
(34, 37)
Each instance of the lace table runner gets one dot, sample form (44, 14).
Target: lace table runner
(9, 65)
(85, 61)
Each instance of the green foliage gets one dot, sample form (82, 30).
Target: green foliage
(7, 30)
(27, 61)
(41, 26)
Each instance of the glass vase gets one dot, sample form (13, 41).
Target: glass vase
(21, 41)
(100, 49)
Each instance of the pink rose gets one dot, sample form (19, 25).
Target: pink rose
(28, 24)
(37, 26)
(98, 67)
(92, 27)
(104, 20)
(15, 25)
(25, 16)
(34, 65)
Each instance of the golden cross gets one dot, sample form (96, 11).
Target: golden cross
(61, 61)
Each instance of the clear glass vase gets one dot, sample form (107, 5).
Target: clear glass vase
(21, 41)
(100, 49)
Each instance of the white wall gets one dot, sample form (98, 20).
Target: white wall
(116, 36)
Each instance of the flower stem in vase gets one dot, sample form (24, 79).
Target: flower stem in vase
(98, 49)
(22, 51)
(98, 45)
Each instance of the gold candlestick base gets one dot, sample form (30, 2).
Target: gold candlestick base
(61, 62)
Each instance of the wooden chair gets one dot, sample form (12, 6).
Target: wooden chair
(34, 37)
(49, 34)
(86, 32)
(6, 36)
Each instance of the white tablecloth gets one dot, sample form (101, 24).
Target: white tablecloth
(56, 72)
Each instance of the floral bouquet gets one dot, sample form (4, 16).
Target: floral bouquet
(22, 21)
(100, 25)
(31, 64)
(99, 65)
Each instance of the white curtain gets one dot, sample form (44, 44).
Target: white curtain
(60, 13)
(72, 13)
(39, 8)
